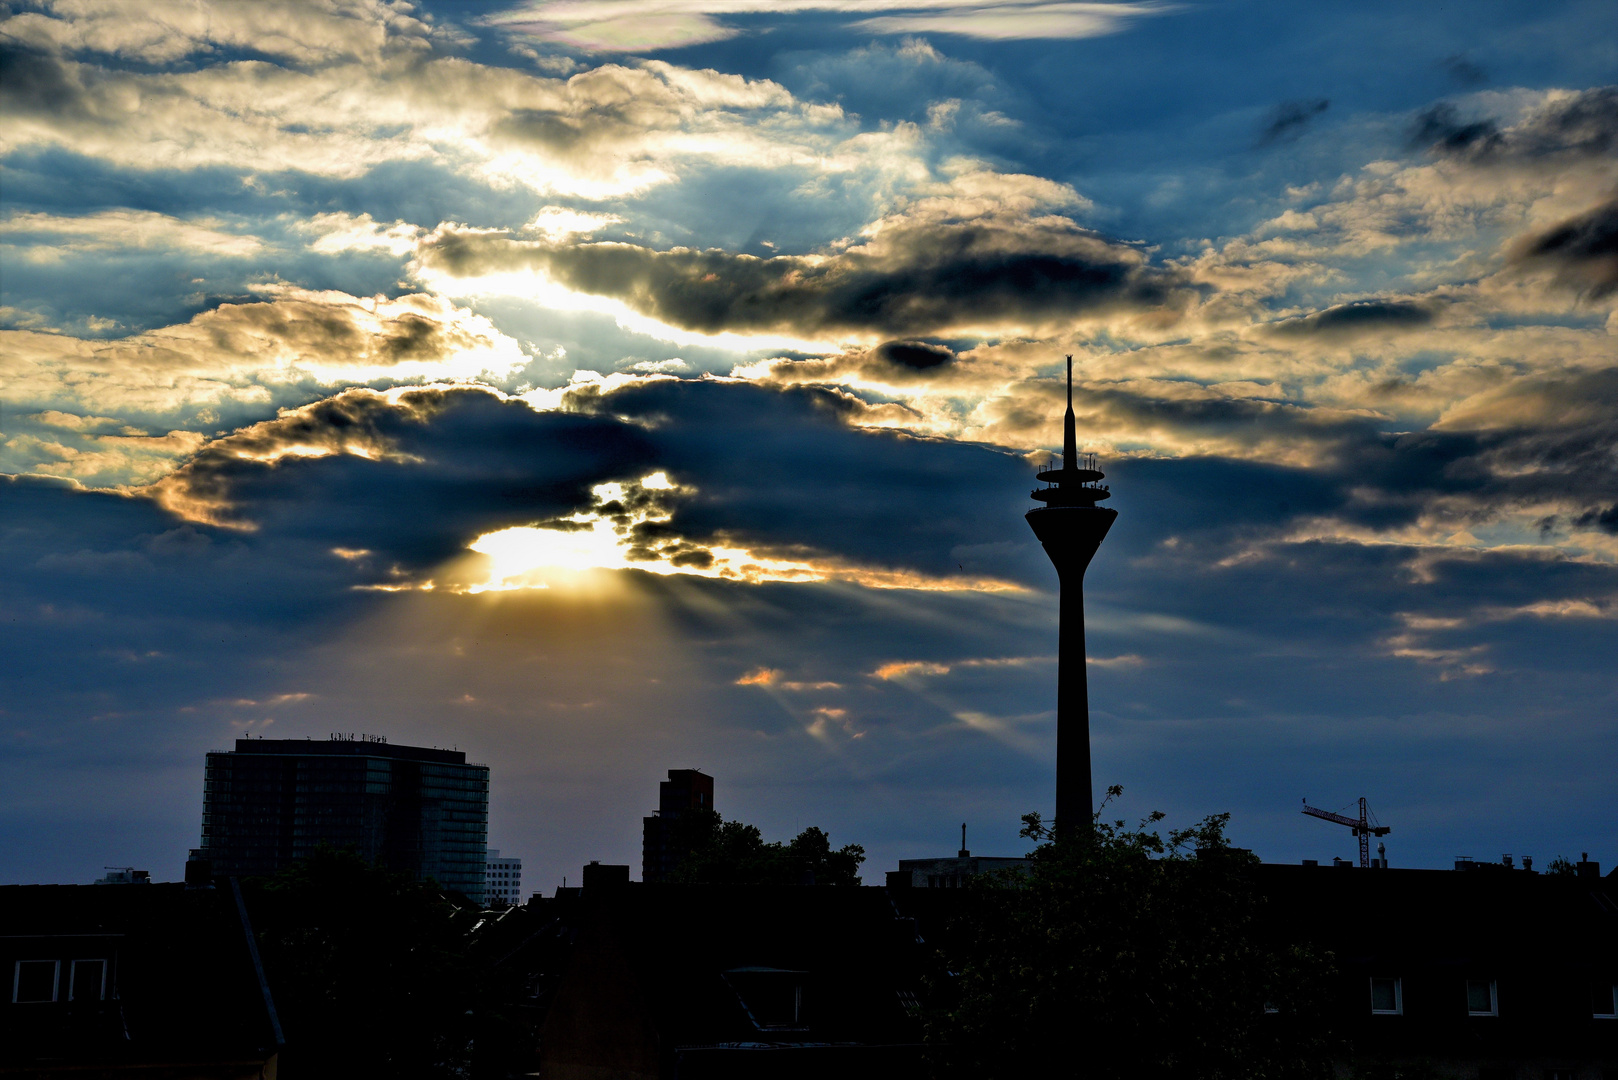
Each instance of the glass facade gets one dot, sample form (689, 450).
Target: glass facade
(417, 810)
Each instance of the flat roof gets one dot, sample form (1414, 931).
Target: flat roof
(347, 748)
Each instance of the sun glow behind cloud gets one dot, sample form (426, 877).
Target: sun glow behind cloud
(569, 552)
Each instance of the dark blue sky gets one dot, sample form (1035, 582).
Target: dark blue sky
(604, 388)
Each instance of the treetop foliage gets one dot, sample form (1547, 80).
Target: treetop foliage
(734, 853)
(1125, 952)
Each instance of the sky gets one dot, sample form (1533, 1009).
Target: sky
(604, 388)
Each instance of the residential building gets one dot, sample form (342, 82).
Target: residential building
(705, 982)
(502, 880)
(949, 873)
(412, 809)
(157, 981)
(1486, 973)
(684, 792)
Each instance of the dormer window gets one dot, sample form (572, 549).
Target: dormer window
(88, 981)
(1482, 998)
(35, 981)
(1387, 996)
(1604, 1000)
(773, 997)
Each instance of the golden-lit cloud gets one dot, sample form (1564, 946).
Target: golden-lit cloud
(40, 237)
(977, 254)
(613, 534)
(634, 25)
(236, 351)
(603, 132)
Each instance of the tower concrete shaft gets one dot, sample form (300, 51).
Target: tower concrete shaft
(1070, 526)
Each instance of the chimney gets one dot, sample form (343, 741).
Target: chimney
(1585, 868)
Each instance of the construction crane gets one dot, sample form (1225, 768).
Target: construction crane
(1364, 828)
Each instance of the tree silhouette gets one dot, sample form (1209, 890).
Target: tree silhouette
(734, 853)
(1122, 953)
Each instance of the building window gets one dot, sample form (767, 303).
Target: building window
(1604, 1000)
(1387, 996)
(773, 997)
(89, 981)
(34, 980)
(1482, 998)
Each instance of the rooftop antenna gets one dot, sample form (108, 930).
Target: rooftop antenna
(964, 853)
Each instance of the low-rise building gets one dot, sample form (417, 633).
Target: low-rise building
(706, 982)
(1484, 973)
(157, 981)
(949, 873)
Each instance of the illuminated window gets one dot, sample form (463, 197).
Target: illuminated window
(34, 981)
(1604, 1000)
(1482, 999)
(88, 981)
(1387, 996)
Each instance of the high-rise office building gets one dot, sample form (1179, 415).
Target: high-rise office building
(412, 809)
(685, 790)
(502, 879)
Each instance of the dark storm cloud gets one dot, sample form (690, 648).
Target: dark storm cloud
(1290, 119)
(1441, 130)
(1538, 440)
(912, 277)
(1582, 251)
(412, 477)
(1605, 519)
(415, 476)
(1348, 321)
(783, 469)
(1577, 126)
(913, 355)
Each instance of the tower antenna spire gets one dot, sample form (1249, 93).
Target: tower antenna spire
(1070, 439)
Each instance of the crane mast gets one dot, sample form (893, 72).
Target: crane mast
(1361, 826)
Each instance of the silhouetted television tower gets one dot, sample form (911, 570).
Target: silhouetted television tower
(1071, 527)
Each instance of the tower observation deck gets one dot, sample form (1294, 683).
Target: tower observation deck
(1071, 527)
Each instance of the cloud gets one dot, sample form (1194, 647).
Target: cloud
(1565, 126)
(316, 32)
(1464, 70)
(1349, 321)
(1289, 120)
(587, 487)
(914, 355)
(239, 352)
(1012, 21)
(607, 131)
(972, 257)
(38, 237)
(648, 25)
(1582, 251)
